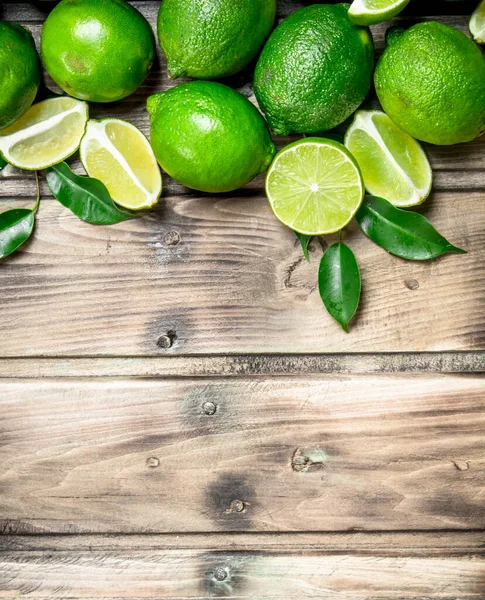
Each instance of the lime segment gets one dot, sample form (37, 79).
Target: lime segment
(393, 164)
(477, 23)
(119, 155)
(314, 186)
(370, 12)
(48, 133)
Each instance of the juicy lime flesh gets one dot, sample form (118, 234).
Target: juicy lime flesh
(404, 149)
(314, 188)
(40, 112)
(47, 146)
(134, 149)
(101, 164)
(477, 23)
(379, 177)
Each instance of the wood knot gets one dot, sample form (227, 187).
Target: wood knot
(306, 459)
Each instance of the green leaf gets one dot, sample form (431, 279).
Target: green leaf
(403, 233)
(86, 197)
(15, 228)
(3, 163)
(304, 241)
(339, 283)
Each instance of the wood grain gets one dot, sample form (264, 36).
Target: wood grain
(373, 568)
(266, 454)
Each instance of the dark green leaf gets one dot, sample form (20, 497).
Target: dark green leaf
(88, 198)
(3, 162)
(339, 283)
(15, 228)
(304, 241)
(403, 233)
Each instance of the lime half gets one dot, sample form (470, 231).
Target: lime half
(48, 133)
(370, 12)
(393, 164)
(314, 186)
(477, 23)
(119, 155)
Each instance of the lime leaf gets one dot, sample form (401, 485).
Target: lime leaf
(339, 283)
(402, 233)
(15, 228)
(3, 163)
(86, 197)
(304, 241)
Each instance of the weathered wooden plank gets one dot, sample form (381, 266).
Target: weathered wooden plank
(138, 568)
(243, 365)
(267, 454)
(236, 282)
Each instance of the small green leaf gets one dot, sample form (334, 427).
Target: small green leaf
(339, 283)
(3, 162)
(15, 228)
(403, 233)
(304, 241)
(86, 197)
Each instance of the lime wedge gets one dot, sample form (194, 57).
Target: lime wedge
(119, 155)
(477, 23)
(48, 133)
(370, 12)
(393, 164)
(314, 186)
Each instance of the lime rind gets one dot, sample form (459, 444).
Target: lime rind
(371, 12)
(477, 23)
(314, 186)
(17, 142)
(97, 134)
(401, 174)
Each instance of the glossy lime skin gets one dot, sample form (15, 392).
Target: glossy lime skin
(314, 71)
(97, 50)
(208, 136)
(430, 80)
(19, 72)
(211, 39)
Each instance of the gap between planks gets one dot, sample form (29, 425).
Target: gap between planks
(241, 365)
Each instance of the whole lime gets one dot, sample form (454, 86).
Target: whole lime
(98, 50)
(431, 81)
(19, 72)
(208, 136)
(207, 40)
(315, 70)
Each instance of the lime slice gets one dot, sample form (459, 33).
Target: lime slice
(370, 12)
(393, 164)
(119, 155)
(477, 23)
(314, 186)
(48, 133)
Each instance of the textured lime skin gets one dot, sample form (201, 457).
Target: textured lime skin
(314, 71)
(208, 136)
(19, 72)
(208, 40)
(97, 50)
(431, 82)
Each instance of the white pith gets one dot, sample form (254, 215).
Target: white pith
(363, 120)
(95, 130)
(8, 141)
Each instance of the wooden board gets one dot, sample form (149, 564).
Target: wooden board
(236, 281)
(267, 454)
(349, 567)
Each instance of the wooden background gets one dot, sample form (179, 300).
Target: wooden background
(180, 418)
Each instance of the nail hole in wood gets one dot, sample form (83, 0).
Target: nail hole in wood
(167, 340)
(152, 462)
(210, 408)
(412, 284)
(172, 238)
(220, 574)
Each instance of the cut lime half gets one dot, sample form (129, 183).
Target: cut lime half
(119, 155)
(393, 164)
(371, 12)
(48, 133)
(314, 186)
(477, 23)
